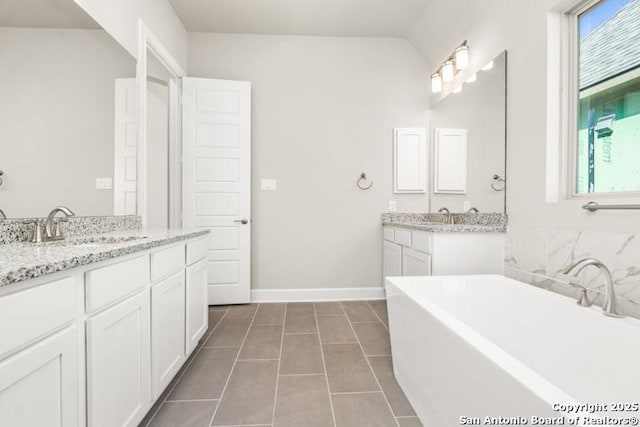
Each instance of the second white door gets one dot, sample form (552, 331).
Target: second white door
(216, 180)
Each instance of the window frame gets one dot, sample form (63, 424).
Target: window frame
(563, 97)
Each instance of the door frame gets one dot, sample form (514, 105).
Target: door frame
(148, 42)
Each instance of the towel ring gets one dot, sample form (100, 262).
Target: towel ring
(498, 179)
(363, 177)
(1, 181)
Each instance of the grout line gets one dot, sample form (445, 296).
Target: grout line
(378, 316)
(299, 333)
(324, 366)
(406, 416)
(340, 393)
(301, 375)
(235, 363)
(275, 399)
(374, 372)
(257, 360)
(378, 355)
(186, 366)
(331, 314)
(191, 400)
(369, 321)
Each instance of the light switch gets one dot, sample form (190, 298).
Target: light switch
(104, 183)
(268, 185)
(392, 205)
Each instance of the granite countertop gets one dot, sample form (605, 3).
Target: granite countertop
(23, 261)
(465, 222)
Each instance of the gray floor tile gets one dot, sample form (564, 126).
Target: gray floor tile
(335, 329)
(270, 314)
(383, 369)
(230, 332)
(303, 401)
(347, 369)
(374, 338)
(297, 321)
(184, 414)
(299, 306)
(214, 318)
(301, 355)
(263, 342)
(250, 395)
(409, 422)
(242, 311)
(382, 314)
(332, 307)
(359, 311)
(377, 303)
(362, 410)
(206, 376)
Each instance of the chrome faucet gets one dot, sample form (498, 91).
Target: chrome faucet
(475, 210)
(53, 231)
(2, 214)
(610, 303)
(449, 219)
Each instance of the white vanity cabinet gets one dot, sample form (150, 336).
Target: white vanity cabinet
(96, 345)
(426, 253)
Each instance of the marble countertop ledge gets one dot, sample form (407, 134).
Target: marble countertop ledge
(24, 261)
(449, 228)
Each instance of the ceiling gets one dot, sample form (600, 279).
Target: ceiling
(44, 14)
(344, 18)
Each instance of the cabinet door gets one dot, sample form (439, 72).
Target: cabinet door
(197, 304)
(415, 263)
(392, 259)
(167, 346)
(118, 363)
(39, 385)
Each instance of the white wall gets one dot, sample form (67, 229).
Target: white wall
(120, 19)
(539, 232)
(57, 119)
(323, 112)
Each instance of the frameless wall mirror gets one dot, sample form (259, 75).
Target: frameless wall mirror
(468, 143)
(61, 116)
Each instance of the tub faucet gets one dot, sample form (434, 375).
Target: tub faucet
(53, 231)
(609, 306)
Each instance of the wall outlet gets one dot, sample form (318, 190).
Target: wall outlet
(466, 205)
(104, 183)
(392, 205)
(268, 185)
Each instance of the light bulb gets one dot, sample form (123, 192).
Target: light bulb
(488, 66)
(472, 78)
(447, 71)
(462, 57)
(436, 83)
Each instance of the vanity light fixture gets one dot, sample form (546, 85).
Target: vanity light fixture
(457, 90)
(458, 60)
(436, 83)
(462, 56)
(472, 78)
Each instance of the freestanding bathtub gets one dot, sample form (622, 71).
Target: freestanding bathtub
(469, 347)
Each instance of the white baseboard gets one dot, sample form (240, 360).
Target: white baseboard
(318, 294)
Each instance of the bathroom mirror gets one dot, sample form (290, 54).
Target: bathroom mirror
(61, 117)
(468, 143)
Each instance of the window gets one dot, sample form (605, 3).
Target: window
(607, 146)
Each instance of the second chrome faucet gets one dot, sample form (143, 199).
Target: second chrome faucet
(50, 229)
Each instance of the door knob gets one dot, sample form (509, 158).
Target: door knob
(242, 221)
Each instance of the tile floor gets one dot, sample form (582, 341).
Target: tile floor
(289, 365)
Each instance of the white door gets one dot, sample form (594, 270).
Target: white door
(197, 307)
(125, 150)
(216, 192)
(392, 259)
(119, 364)
(39, 386)
(167, 327)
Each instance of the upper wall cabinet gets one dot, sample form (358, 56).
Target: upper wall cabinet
(450, 161)
(410, 153)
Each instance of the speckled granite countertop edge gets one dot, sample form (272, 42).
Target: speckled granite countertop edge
(23, 261)
(450, 228)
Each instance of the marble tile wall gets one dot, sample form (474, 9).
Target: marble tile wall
(538, 255)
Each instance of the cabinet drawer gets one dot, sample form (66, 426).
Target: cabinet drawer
(110, 283)
(28, 315)
(415, 263)
(166, 262)
(403, 237)
(388, 233)
(197, 250)
(421, 241)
